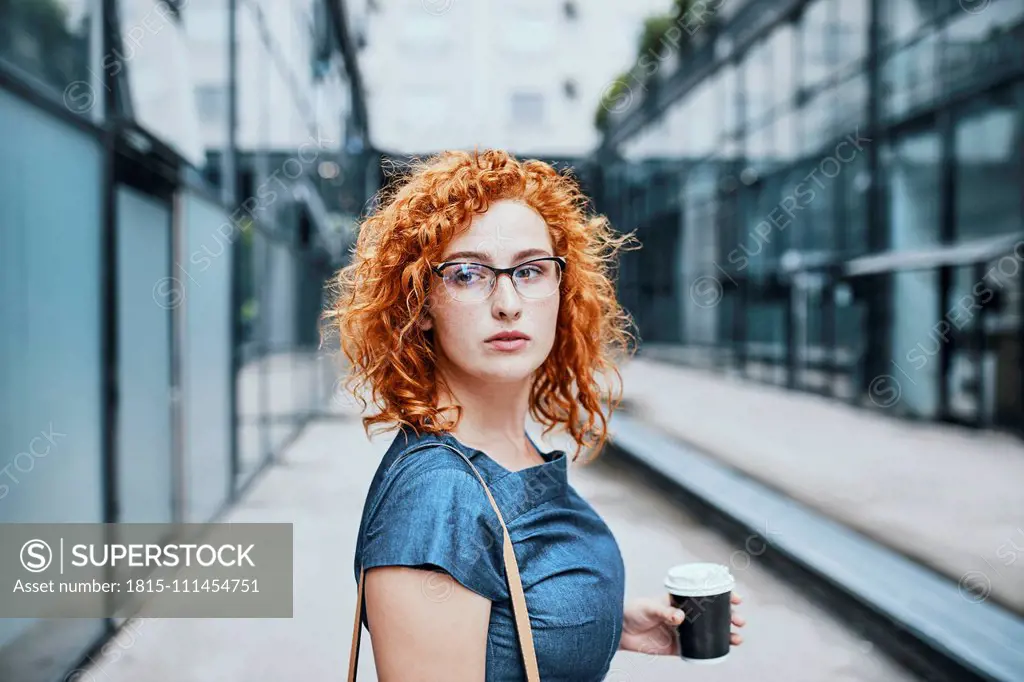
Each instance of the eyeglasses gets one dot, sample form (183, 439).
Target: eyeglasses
(474, 282)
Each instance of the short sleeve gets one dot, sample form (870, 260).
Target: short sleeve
(432, 516)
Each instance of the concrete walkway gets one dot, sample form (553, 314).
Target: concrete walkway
(949, 497)
(320, 486)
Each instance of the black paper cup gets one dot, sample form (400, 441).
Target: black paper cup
(703, 592)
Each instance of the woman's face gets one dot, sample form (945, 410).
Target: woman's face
(508, 234)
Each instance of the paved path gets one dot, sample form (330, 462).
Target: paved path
(949, 497)
(320, 487)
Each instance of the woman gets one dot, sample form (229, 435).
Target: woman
(478, 292)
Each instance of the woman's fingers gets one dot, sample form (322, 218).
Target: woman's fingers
(735, 639)
(672, 615)
(735, 598)
(738, 621)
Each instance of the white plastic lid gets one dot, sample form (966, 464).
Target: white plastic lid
(699, 580)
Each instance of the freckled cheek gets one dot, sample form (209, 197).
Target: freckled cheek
(461, 327)
(545, 320)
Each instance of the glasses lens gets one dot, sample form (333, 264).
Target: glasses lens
(538, 279)
(468, 282)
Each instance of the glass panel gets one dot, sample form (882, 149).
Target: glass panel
(730, 99)
(850, 105)
(817, 122)
(782, 47)
(1000, 290)
(904, 17)
(757, 81)
(817, 42)
(850, 336)
(916, 342)
(809, 321)
(155, 59)
(206, 363)
(701, 122)
(206, 26)
(963, 380)
(54, 41)
(819, 211)
(913, 178)
(798, 194)
(981, 46)
(853, 184)
(759, 143)
(702, 280)
(279, 333)
(988, 169)
(144, 358)
(853, 23)
(784, 138)
(50, 375)
(910, 78)
(251, 255)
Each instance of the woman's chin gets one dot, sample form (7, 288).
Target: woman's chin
(507, 370)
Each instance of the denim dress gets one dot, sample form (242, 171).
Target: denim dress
(428, 509)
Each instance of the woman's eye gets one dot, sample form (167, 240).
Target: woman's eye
(528, 272)
(467, 275)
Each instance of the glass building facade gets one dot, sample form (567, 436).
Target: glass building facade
(829, 194)
(171, 204)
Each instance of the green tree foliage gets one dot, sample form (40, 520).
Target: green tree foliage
(612, 96)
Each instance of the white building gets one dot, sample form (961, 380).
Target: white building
(525, 75)
(280, 102)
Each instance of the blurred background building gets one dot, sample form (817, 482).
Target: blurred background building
(829, 194)
(522, 75)
(178, 180)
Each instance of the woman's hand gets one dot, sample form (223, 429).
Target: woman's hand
(649, 626)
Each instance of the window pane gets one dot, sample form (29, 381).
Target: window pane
(156, 60)
(50, 372)
(981, 46)
(784, 137)
(853, 184)
(915, 346)
(988, 170)
(206, 381)
(144, 361)
(703, 121)
(757, 81)
(819, 210)
(854, 20)
(817, 42)
(758, 147)
(816, 115)
(206, 29)
(913, 177)
(851, 105)
(904, 17)
(730, 99)
(910, 77)
(52, 41)
(782, 46)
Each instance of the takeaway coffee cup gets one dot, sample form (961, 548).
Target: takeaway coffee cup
(703, 592)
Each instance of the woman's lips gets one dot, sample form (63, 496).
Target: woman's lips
(508, 345)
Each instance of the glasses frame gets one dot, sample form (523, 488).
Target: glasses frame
(498, 272)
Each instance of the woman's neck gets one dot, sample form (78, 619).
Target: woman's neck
(493, 421)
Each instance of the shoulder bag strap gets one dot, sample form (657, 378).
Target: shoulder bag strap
(515, 586)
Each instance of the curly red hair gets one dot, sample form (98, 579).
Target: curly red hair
(378, 298)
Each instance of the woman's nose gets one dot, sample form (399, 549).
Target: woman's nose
(506, 298)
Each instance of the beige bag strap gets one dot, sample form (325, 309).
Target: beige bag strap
(515, 587)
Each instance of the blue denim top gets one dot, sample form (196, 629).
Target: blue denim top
(428, 509)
